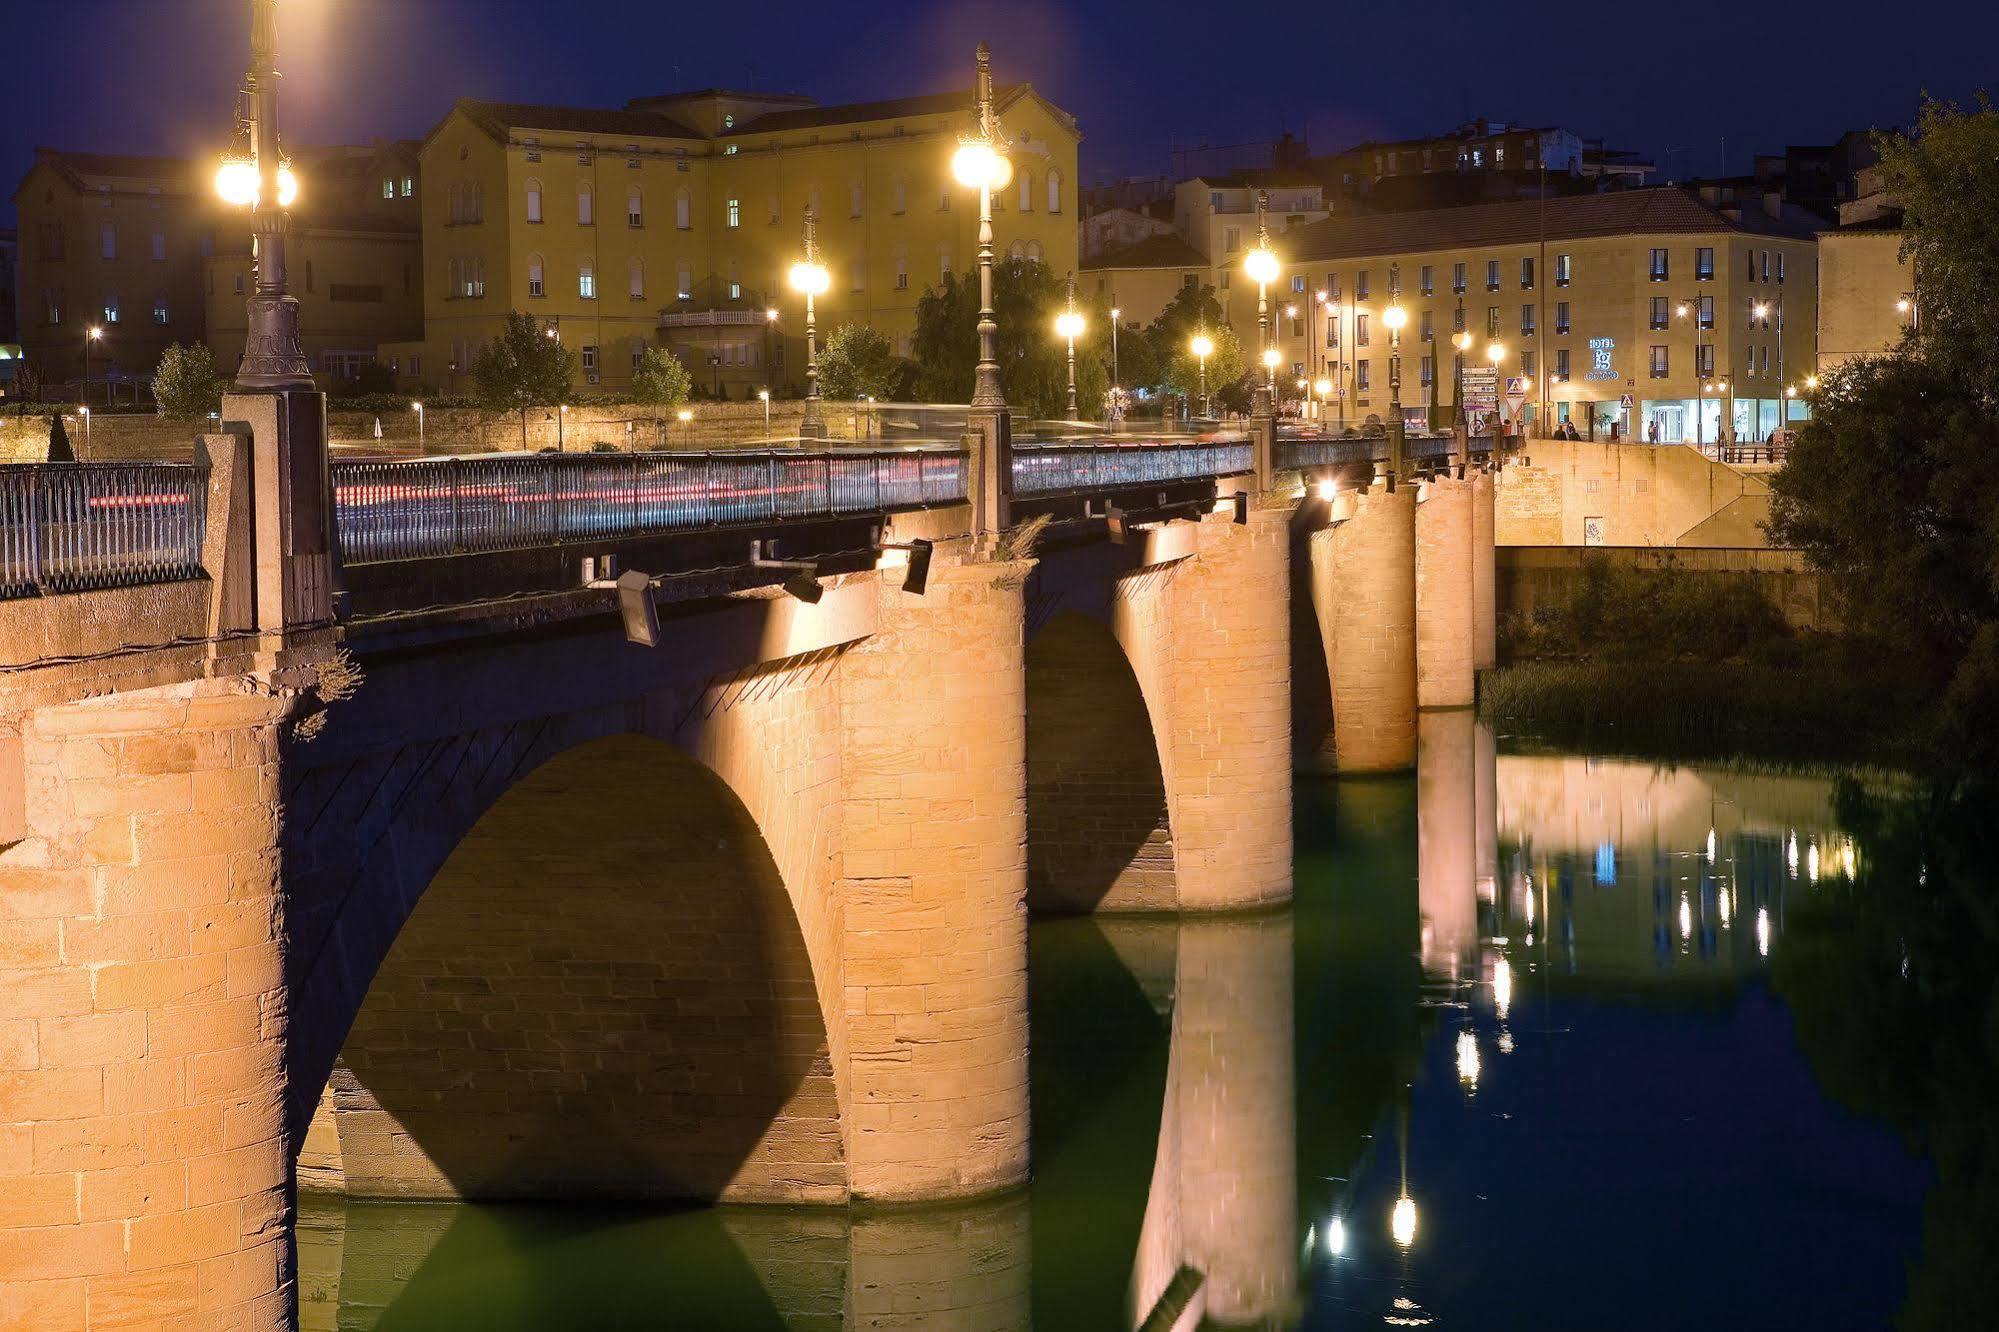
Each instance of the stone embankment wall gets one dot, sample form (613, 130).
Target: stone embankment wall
(1529, 576)
(1559, 491)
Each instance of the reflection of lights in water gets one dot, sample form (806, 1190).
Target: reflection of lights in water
(1505, 1042)
(1502, 986)
(1812, 861)
(1686, 918)
(1402, 1221)
(1848, 861)
(1791, 854)
(1336, 1237)
(1407, 1314)
(1721, 906)
(1710, 846)
(1467, 1059)
(1530, 903)
(1763, 931)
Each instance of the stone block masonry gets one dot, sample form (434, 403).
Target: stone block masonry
(1364, 590)
(1446, 641)
(144, 1172)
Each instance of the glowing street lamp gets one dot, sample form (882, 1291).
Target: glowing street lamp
(1495, 353)
(254, 174)
(1394, 319)
(91, 336)
(1323, 389)
(1203, 347)
(417, 407)
(810, 279)
(763, 396)
(1402, 1221)
(1115, 313)
(981, 163)
(1270, 359)
(1262, 267)
(1069, 327)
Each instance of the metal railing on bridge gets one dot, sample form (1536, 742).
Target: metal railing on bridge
(1044, 467)
(76, 527)
(1308, 450)
(448, 506)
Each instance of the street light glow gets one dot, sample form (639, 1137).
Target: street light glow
(977, 163)
(1261, 265)
(1271, 356)
(1324, 388)
(1402, 1221)
(1202, 346)
(1395, 317)
(1496, 352)
(810, 279)
(96, 333)
(1069, 324)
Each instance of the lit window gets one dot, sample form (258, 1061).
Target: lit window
(638, 280)
(1660, 363)
(586, 283)
(536, 285)
(1054, 191)
(735, 212)
(110, 309)
(534, 201)
(589, 359)
(409, 189)
(160, 310)
(1425, 283)
(1526, 274)
(683, 208)
(635, 212)
(389, 187)
(1562, 364)
(1492, 275)
(1561, 270)
(1660, 268)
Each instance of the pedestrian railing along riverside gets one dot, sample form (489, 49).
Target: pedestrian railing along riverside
(1042, 469)
(77, 527)
(451, 506)
(1343, 451)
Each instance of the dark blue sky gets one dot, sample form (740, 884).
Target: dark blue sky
(156, 75)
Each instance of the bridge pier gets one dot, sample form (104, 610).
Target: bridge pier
(1444, 593)
(932, 888)
(1484, 573)
(147, 1175)
(1364, 591)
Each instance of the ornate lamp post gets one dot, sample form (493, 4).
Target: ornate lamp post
(809, 278)
(1203, 347)
(91, 336)
(1069, 326)
(981, 163)
(1393, 318)
(1270, 359)
(1261, 266)
(254, 174)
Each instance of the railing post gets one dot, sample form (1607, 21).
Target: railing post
(1263, 450)
(989, 472)
(548, 491)
(457, 505)
(35, 531)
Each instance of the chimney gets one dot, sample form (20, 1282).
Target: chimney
(1773, 203)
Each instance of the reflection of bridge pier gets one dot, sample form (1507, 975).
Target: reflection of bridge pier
(1224, 1187)
(1448, 838)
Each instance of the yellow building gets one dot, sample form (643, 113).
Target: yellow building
(1139, 281)
(140, 248)
(1867, 292)
(673, 222)
(1643, 309)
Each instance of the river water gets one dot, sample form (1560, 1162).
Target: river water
(1546, 1041)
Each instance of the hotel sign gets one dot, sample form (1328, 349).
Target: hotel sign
(1600, 350)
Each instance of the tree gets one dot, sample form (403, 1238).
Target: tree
(185, 386)
(1033, 362)
(59, 447)
(660, 381)
(1946, 177)
(1183, 369)
(857, 360)
(522, 369)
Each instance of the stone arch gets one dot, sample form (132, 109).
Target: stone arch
(603, 991)
(1098, 833)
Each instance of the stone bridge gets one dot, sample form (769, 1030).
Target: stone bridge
(351, 839)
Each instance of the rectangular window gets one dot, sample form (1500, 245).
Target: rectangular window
(1360, 375)
(1766, 265)
(1527, 362)
(1704, 360)
(1458, 320)
(1562, 364)
(590, 360)
(586, 207)
(1231, 240)
(409, 189)
(1458, 278)
(1706, 312)
(160, 311)
(1492, 321)
(1492, 275)
(110, 241)
(1704, 264)
(1360, 330)
(1526, 321)
(1763, 358)
(1658, 319)
(1360, 285)
(1425, 329)
(1561, 270)
(1749, 268)
(1297, 284)
(535, 284)
(1526, 275)
(1659, 362)
(159, 246)
(586, 283)
(1780, 265)
(110, 309)
(1332, 286)
(735, 212)
(389, 187)
(1425, 284)
(1429, 370)
(1661, 270)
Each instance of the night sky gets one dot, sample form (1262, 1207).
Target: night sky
(1667, 79)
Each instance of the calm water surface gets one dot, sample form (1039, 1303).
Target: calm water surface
(1545, 1042)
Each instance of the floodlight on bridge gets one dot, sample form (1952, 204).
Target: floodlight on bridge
(1241, 502)
(635, 605)
(804, 581)
(1114, 523)
(916, 577)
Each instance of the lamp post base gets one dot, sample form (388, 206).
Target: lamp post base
(273, 355)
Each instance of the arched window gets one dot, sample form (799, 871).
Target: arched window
(1017, 250)
(901, 268)
(586, 205)
(1054, 191)
(638, 287)
(1026, 191)
(1034, 251)
(635, 207)
(537, 276)
(684, 288)
(683, 208)
(534, 201)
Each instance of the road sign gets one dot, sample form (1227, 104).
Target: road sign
(1516, 390)
(1481, 389)
(1626, 400)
